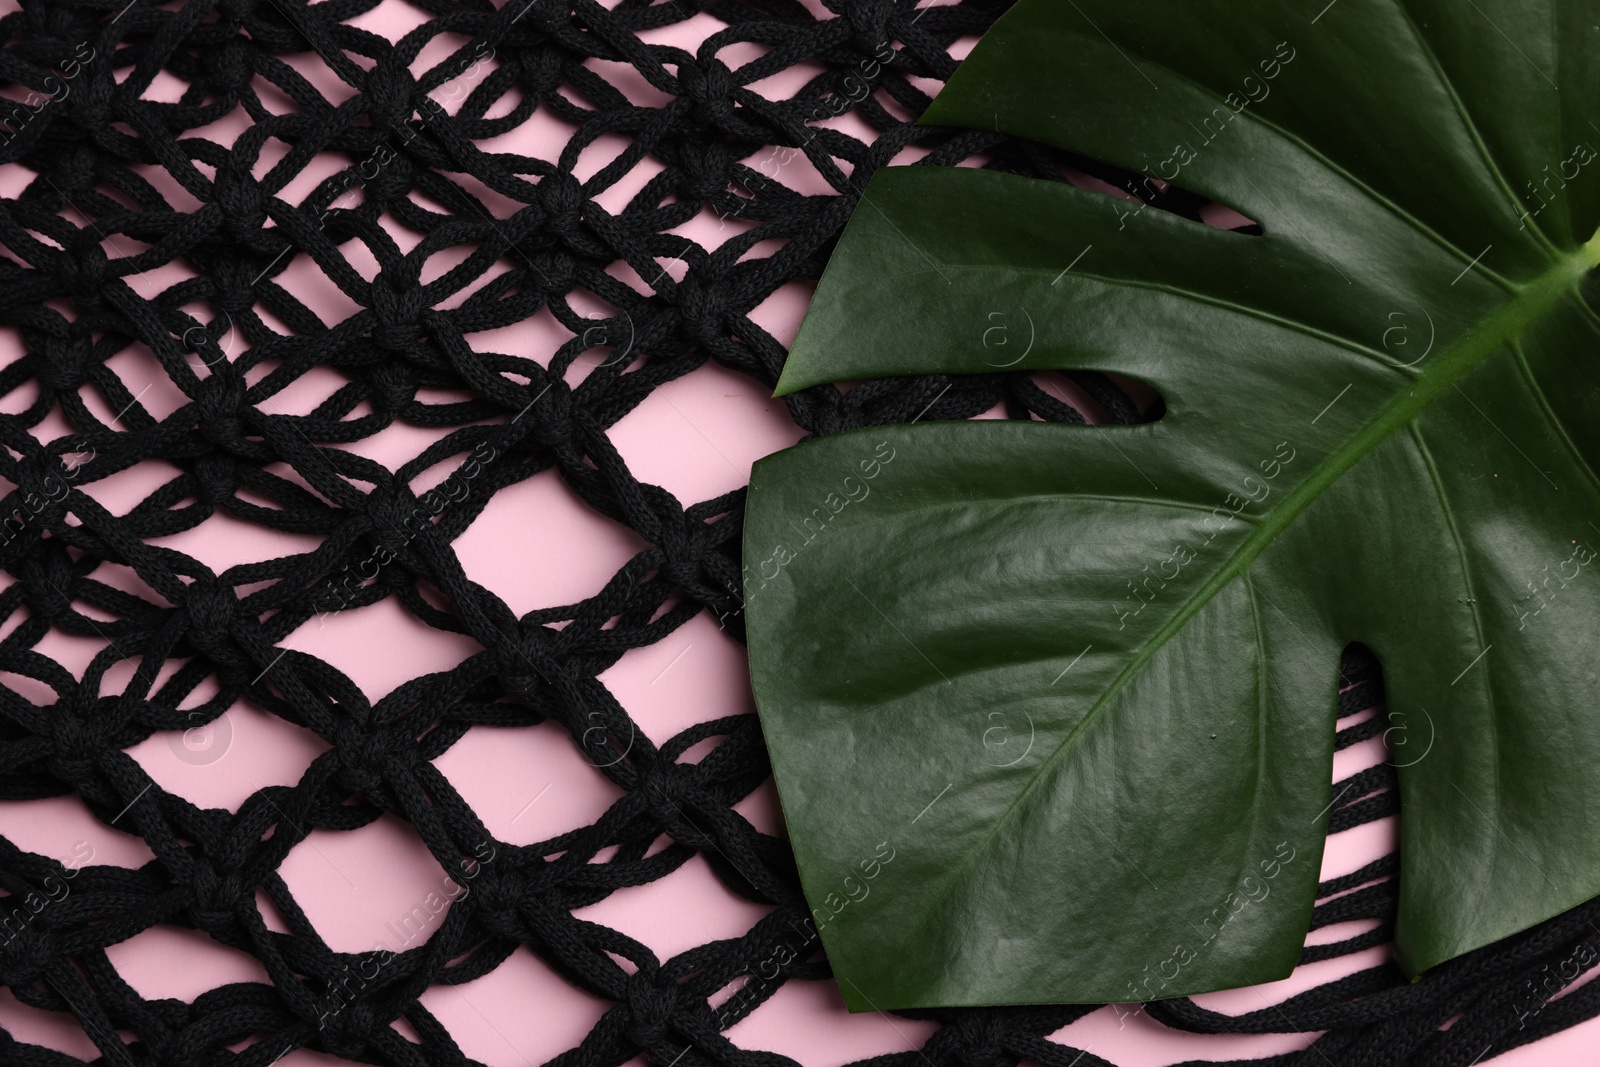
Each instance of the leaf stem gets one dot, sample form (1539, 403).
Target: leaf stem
(1591, 250)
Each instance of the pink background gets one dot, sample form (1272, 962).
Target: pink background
(535, 545)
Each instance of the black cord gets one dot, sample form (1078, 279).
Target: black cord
(126, 181)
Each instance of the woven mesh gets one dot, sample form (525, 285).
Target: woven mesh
(137, 227)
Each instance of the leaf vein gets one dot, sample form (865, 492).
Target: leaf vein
(1215, 301)
(1543, 400)
(1262, 667)
(1485, 676)
(1338, 169)
(1492, 165)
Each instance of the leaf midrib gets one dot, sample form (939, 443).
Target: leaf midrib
(1507, 322)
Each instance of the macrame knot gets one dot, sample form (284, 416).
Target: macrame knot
(345, 1027)
(974, 1039)
(651, 999)
(395, 384)
(683, 544)
(394, 179)
(503, 922)
(91, 108)
(396, 516)
(530, 25)
(242, 205)
(48, 584)
(711, 87)
(391, 94)
(44, 480)
(700, 310)
(65, 366)
(552, 416)
(563, 202)
(398, 311)
(541, 70)
(497, 895)
(214, 898)
(217, 476)
(79, 738)
(217, 404)
(708, 172)
(229, 65)
(212, 607)
(64, 25)
(84, 272)
(367, 757)
(25, 949)
(526, 661)
(869, 25)
(664, 788)
(492, 888)
(553, 272)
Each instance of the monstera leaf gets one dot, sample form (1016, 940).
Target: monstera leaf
(1050, 707)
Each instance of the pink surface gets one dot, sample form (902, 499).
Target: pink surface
(535, 546)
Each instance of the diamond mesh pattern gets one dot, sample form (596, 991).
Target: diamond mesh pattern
(168, 164)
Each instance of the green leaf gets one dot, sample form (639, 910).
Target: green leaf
(1051, 707)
